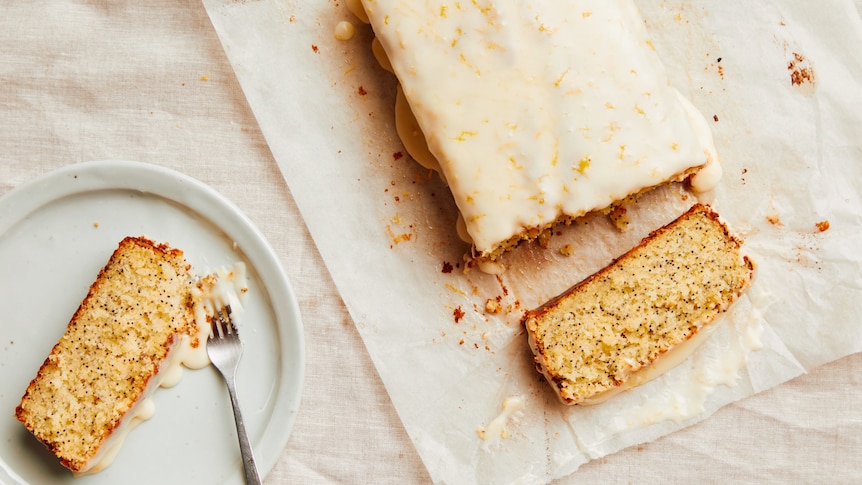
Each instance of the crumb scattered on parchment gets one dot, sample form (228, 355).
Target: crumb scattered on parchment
(401, 195)
(619, 216)
(397, 155)
(493, 305)
(715, 66)
(719, 68)
(96, 224)
(774, 219)
(822, 226)
(567, 250)
(361, 91)
(801, 71)
(447, 267)
(315, 49)
(458, 314)
(503, 287)
(544, 239)
(715, 118)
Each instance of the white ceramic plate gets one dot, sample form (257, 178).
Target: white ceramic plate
(56, 232)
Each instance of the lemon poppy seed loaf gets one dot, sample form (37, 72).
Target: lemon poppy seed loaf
(606, 331)
(536, 114)
(128, 337)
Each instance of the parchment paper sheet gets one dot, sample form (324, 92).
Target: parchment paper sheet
(781, 82)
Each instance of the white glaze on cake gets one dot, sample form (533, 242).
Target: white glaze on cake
(536, 111)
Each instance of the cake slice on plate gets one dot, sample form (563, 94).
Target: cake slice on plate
(130, 335)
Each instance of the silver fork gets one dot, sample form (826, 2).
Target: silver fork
(224, 349)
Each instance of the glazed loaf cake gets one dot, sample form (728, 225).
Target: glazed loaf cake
(536, 114)
(128, 337)
(604, 333)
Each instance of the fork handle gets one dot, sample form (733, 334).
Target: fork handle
(252, 477)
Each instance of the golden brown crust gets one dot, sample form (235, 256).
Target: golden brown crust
(592, 337)
(695, 209)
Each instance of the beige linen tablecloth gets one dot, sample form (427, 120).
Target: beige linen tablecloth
(148, 81)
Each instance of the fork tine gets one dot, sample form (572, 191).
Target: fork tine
(222, 323)
(231, 328)
(216, 325)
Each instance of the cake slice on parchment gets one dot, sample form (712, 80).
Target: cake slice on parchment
(642, 314)
(536, 113)
(130, 335)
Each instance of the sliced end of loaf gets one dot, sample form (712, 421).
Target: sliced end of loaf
(596, 335)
